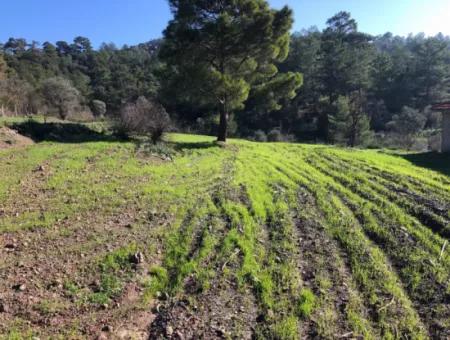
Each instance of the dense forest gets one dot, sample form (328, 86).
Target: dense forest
(356, 89)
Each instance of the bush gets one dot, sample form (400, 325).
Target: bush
(260, 136)
(61, 96)
(162, 150)
(98, 108)
(406, 126)
(209, 125)
(275, 135)
(144, 117)
(84, 114)
(434, 142)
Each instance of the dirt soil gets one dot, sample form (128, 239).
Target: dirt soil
(10, 138)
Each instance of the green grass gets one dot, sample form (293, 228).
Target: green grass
(228, 217)
(306, 303)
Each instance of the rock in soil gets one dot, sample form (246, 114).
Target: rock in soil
(137, 258)
(107, 328)
(20, 287)
(10, 246)
(3, 307)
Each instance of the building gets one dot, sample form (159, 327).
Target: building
(445, 109)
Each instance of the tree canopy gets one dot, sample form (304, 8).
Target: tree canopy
(219, 53)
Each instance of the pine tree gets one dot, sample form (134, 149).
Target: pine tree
(346, 60)
(350, 124)
(216, 51)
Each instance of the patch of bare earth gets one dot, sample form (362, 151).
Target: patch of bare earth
(38, 264)
(10, 138)
(221, 312)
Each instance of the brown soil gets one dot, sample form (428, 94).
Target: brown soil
(221, 312)
(43, 261)
(10, 138)
(36, 264)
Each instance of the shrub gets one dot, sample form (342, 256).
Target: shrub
(98, 108)
(407, 126)
(60, 95)
(434, 142)
(84, 114)
(260, 136)
(145, 117)
(207, 125)
(275, 135)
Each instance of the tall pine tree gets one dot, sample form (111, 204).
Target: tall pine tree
(216, 52)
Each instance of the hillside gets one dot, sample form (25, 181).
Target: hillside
(194, 239)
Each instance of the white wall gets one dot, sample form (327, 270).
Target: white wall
(446, 131)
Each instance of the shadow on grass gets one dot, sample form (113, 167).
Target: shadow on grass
(186, 146)
(61, 132)
(431, 160)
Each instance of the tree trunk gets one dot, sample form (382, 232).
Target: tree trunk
(222, 135)
(62, 114)
(323, 125)
(324, 121)
(352, 139)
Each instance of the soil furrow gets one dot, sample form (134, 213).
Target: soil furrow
(399, 246)
(330, 280)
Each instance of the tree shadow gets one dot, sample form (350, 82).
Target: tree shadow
(188, 146)
(431, 160)
(61, 132)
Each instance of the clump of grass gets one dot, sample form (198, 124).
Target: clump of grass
(110, 287)
(306, 303)
(115, 269)
(158, 282)
(49, 307)
(162, 149)
(285, 329)
(118, 259)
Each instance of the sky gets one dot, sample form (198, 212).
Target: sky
(135, 21)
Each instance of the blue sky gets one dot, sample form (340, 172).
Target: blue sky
(134, 21)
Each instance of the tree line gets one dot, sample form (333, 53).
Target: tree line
(82, 78)
(357, 84)
(224, 71)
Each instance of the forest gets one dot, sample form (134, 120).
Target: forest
(349, 87)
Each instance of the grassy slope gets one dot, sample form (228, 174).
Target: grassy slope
(273, 240)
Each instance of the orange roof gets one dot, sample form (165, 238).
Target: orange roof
(441, 106)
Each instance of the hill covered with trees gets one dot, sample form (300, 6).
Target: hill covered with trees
(356, 89)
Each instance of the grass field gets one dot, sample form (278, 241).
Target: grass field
(190, 240)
